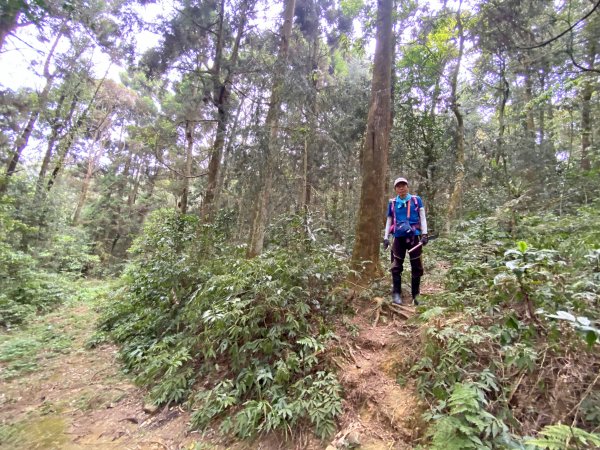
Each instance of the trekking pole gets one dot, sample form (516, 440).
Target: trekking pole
(420, 244)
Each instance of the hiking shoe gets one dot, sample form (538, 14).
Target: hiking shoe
(396, 299)
(415, 302)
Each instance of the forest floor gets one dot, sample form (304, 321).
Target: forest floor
(55, 393)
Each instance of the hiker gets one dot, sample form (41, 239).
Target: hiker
(407, 223)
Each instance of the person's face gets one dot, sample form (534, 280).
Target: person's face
(401, 189)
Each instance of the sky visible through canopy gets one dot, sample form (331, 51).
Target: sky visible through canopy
(24, 48)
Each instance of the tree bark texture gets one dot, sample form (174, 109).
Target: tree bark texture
(586, 124)
(586, 112)
(67, 142)
(374, 158)
(505, 92)
(456, 195)
(95, 155)
(259, 224)
(57, 128)
(529, 123)
(189, 156)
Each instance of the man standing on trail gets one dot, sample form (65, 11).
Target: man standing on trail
(407, 223)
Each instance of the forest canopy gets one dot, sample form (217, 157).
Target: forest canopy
(229, 163)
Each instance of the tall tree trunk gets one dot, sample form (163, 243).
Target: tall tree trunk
(95, 155)
(23, 139)
(57, 127)
(221, 99)
(586, 124)
(116, 217)
(504, 94)
(374, 157)
(542, 108)
(67, 142)
(131, 198)
(586, 111)
(189, 156)
(455, 197)
(310, 141)
(529, 123)
(259, 224)
(229, 148)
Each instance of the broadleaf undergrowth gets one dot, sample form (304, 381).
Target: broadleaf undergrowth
(235, 338)
(514, 314)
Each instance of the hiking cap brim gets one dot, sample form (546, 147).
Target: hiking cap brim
(400, 180)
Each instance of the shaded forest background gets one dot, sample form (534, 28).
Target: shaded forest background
(234, 146)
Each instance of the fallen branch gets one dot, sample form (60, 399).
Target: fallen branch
(353, 356)
(399, 310)
(377, 310)
(515, 387)
(585, 394)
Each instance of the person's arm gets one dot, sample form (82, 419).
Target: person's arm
(386, 232)
(423, 220)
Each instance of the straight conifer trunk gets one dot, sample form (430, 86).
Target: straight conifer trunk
(505, 92)
(259, 224)
(459, 178)
(374, 158)
(586, 112)
(95, 155)
(56, 129)
(67, 142)
(221, 99)
(189, 156)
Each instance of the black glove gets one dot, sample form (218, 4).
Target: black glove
(386, 244)
(424, 240)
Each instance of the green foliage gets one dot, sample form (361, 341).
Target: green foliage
(69, 252)
(564, 437)
(580, 323)
(448, 354)
(192, 309)
(467, 424)
(21, 352)
(478, 335)
(24, 287)
(351, 7)
(42, 338)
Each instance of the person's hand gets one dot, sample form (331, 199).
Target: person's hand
(424, 240)
(386, 244)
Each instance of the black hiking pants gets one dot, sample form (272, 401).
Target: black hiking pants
(400, 247)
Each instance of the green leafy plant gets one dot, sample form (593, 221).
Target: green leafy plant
(25, 287)
(564, 437)
(579, 323)
(527, 270)
(253, 331)
(466, 424)
(560, 280)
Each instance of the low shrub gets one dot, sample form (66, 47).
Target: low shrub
(234, 338)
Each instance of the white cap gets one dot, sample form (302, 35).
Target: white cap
(400, 180)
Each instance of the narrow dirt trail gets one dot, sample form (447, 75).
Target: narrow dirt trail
(76, 398)
(379, 412)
